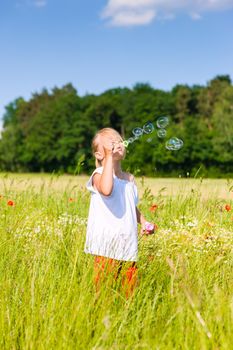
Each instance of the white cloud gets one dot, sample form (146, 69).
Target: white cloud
(141, 12)
(130, 18)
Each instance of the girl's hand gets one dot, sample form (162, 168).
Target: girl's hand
(108, 149)
(148, 228)
(112, 148)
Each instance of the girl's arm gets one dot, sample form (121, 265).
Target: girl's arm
(146, 227)
(104, 182)
(140, 218)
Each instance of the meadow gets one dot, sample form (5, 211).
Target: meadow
(184, 298)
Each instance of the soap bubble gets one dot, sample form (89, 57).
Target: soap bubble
(136, 137)
(137, 132)
(148, 128)
(131, 140)
(161, 133)
(174, 144)
(150, 139)
(162, 122)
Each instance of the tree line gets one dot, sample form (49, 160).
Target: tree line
(52, 132)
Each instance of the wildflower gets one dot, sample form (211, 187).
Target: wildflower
(153, 208)
(71, 200)
(1, 197)
(130, 273)
(192, 223)
(210, 224)
(208, 237)
(37, 229)
(227, 207)
(10, 203)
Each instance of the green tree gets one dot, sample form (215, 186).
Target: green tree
(222, 141)
(11, 144)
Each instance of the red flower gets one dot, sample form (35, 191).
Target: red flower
(11, 203)
(153, 208)
(227, 207)
(131, 273)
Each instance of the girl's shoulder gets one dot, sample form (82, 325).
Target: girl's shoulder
(89, 184)
(98, 170)
(129, 177)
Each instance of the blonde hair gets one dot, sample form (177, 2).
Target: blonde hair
(95, 141)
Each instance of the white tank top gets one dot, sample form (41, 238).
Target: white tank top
(112, 221)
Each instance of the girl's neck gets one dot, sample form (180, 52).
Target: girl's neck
(117, 169)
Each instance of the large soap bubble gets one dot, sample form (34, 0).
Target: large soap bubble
(148, 128)
(137, 132)
(162, 122)
(174, 144)
(161, 133)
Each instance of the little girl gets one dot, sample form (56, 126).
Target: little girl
(113, 215)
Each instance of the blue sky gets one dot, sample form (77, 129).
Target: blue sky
(97, 45)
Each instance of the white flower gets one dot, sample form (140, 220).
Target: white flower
(37, 229)
(193, 223)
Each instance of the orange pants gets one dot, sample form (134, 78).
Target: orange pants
(107, 270)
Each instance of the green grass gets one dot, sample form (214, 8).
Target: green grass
(184, 299)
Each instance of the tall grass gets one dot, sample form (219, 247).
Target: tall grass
(184, 299)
